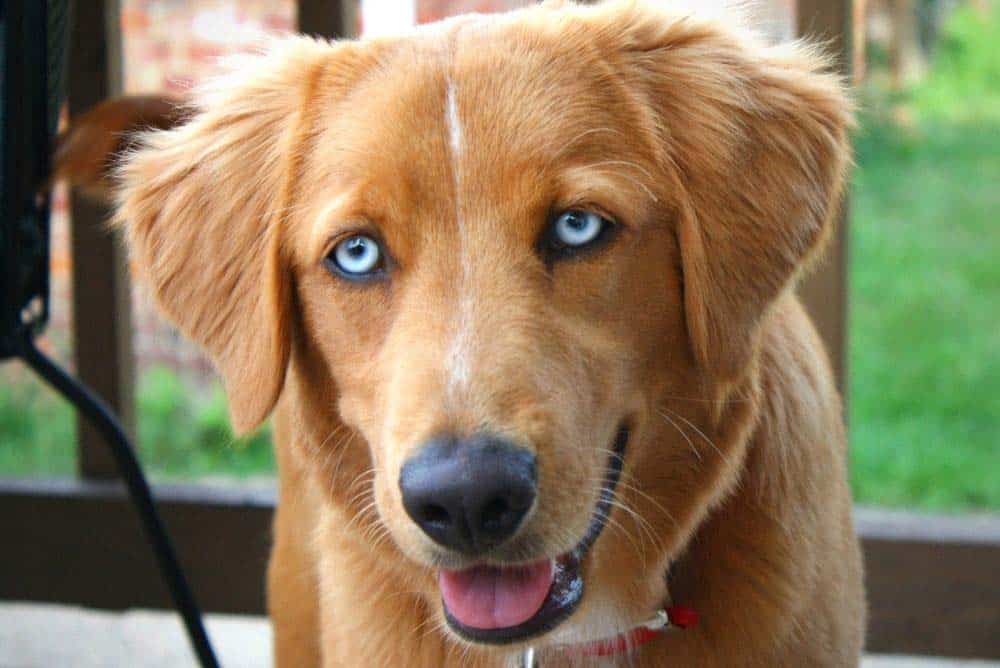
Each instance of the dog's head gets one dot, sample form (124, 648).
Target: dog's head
(526, 260)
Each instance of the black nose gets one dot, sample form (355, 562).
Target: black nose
(469, 495)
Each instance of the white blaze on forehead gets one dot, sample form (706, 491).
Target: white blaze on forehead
(460, 351)
(454, 131)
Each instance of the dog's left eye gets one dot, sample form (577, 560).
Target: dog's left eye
(359, 256)
(576, 229)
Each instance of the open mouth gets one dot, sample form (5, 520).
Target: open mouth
(498, 605)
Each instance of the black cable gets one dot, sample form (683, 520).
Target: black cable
(107, 424)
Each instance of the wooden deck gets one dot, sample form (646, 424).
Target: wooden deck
(52, 635)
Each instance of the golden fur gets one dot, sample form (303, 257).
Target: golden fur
(721, 159)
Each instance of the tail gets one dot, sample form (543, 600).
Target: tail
(86, 152)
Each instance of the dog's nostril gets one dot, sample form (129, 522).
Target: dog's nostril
(496, 514)
(436, 515)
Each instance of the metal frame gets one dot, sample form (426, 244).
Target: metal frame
(931, 580)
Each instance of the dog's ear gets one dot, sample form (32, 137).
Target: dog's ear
(202, 207)
(755, 139)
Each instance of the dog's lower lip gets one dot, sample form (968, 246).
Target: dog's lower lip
(567, 588)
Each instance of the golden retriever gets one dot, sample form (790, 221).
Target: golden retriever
(519, 292)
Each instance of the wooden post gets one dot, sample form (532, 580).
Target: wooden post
(102, 323)
(328, 18)
(906, 56)
(825, 291)
(859, 57)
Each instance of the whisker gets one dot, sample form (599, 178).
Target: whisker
(682, 433)
(700, 433)
(629, 487)
(737, 400)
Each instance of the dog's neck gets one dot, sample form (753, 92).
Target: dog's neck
(671, 618)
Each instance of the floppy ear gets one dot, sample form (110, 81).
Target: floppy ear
(756, 141)
(202, 206)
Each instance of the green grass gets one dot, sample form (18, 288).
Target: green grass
(925, 311)
(182, 434)
(36, 432)
(925, 283)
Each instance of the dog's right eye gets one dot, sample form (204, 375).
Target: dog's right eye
(356, 257)
(574, 231)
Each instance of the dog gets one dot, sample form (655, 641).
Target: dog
(519, 292)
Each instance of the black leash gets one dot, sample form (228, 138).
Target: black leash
(101, 417)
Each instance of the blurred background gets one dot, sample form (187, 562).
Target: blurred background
(924, 257)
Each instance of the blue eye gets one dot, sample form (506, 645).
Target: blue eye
(357, 256)
(574, 229)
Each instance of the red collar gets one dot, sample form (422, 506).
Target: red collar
(677, 616)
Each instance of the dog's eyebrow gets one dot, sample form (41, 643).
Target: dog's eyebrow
(576, 143)
(340, 209)
(622, 186)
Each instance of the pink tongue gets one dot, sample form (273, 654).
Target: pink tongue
(486, 597)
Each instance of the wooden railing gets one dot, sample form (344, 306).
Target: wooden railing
(932, 582)
(825, 290)
(102, 321)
